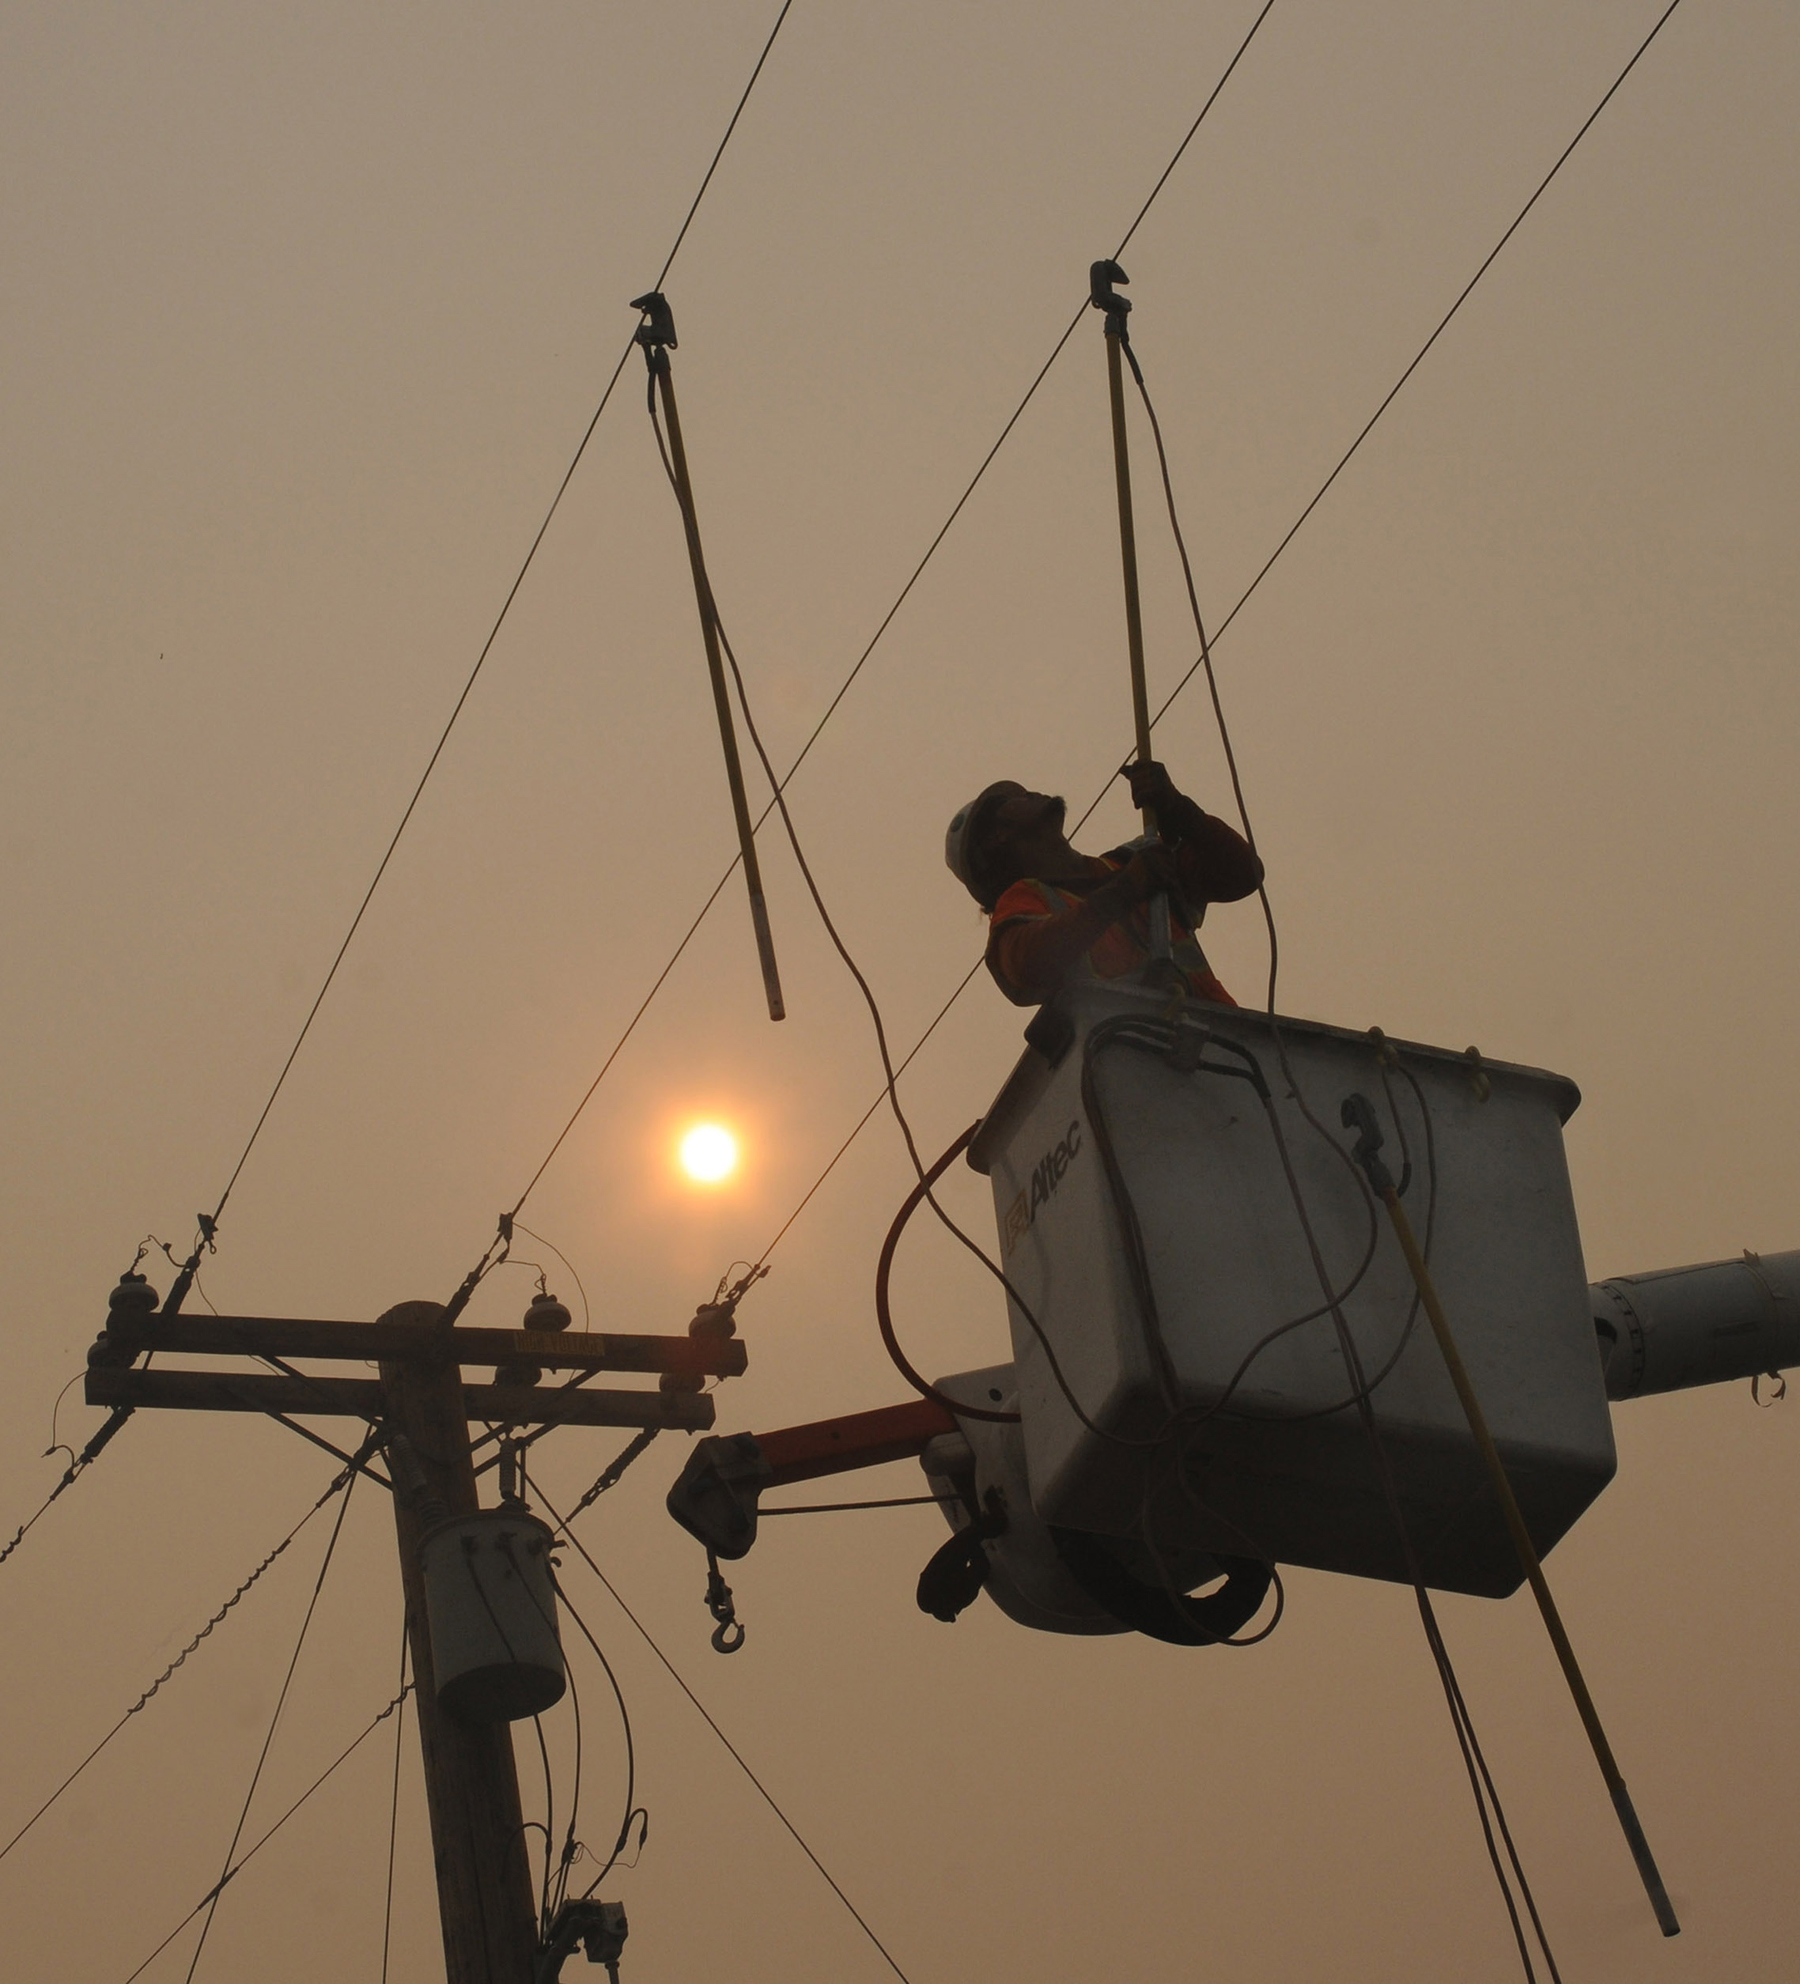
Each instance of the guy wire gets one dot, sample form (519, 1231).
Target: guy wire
(731, 1748)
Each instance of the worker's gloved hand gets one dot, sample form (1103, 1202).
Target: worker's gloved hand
(1151, 784)
(1151, 871)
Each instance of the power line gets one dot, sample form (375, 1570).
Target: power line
(238, 1866)
(494, 631)
(1267, 565)
(893, 610)
(1419, 358)
(77, 1467)
(287, 1682)
(736, 1757)
(180, 1660)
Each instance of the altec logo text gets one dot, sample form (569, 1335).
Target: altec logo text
(1045, 1178)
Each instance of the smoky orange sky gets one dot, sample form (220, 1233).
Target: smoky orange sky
(307, 310)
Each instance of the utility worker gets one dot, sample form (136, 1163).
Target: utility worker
(1055, 914)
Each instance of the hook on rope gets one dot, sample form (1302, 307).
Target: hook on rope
(728, 1634)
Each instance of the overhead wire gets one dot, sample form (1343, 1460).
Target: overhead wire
(888, 618)
(238, 1866)
(387, 1910)
(731, 1748)
(437, 750)
(632, 1809)
(1419, 357)
(1202, 661)
(217, 1619)
(262, 1758)
(548, 1828)
(79, 1463)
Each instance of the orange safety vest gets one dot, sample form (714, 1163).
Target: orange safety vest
(1123, 948)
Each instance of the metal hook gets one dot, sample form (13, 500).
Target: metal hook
(728, 1634)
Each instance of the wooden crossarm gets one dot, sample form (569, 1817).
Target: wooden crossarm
(364, 1398)
(566, 1350)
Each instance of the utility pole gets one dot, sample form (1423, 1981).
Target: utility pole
(422, 1409)
(471, 1781)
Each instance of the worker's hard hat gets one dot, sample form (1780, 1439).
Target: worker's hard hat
(959, 837)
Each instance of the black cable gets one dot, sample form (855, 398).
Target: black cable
(736, 1756)
(1480, 1779)
(493, 634)
(862, 1120)
(560, 1893)
(387, 1913)
(631, 1806)
(888, 617)
(179, 1661)
(926, 1177)
(212, 1894)
(1474, 1761)
(548, 1828)
(280, 1702)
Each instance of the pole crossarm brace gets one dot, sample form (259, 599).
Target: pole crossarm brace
(366, 1398)
(266, 1336)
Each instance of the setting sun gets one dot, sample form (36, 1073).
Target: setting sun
(709, 1153)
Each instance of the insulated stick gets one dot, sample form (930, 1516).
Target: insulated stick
(1101, 279)
(1358, 1115)
(709, 633)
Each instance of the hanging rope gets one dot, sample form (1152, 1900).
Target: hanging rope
(657, 336)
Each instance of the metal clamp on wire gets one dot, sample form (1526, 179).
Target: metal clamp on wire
(728, 1634)
(657, 333)
(1103, 296)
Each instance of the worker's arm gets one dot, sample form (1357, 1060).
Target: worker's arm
(1030, 955)
(1215, 862)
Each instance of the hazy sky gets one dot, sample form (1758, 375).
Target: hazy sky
(307, 310)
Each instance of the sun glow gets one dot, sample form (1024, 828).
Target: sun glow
(709, 1153)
